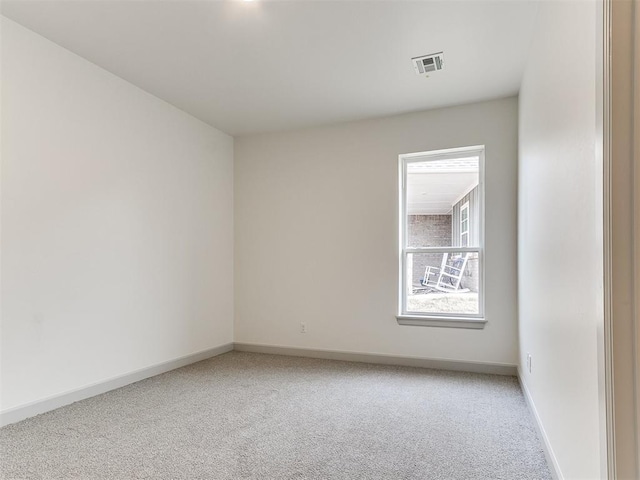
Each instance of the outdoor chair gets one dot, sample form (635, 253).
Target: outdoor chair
(447, 277)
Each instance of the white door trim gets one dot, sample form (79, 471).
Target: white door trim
(621, 216)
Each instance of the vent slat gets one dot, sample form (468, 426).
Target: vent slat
(428, 63)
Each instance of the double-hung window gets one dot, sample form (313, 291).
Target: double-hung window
(441, 233)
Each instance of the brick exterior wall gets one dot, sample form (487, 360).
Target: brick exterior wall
(470, 278)
(427, 231)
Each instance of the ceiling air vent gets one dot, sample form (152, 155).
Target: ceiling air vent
(428, 63)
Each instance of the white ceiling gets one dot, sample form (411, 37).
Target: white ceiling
(437, 193)
(247, 67)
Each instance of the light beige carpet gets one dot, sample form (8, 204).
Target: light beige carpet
(243, 415)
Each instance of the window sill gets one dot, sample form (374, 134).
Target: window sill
(447, 322)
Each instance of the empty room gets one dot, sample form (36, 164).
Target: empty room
(319, 239)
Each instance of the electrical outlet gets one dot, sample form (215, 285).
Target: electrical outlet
(303, 327)
(529, 362)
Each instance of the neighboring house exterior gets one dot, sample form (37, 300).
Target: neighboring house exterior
(471, 201)
(469, 238)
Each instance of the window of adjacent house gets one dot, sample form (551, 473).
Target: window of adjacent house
(464, 225)
(441, 234)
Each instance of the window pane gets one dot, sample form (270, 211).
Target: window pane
(441, 196)
(442, 283)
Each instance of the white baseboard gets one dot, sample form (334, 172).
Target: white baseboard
(380, 358)
(554, 468)
(22, 412)
(13, 415)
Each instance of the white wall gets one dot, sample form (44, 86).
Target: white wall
(560, 234)
(117, 225)
(316, 234)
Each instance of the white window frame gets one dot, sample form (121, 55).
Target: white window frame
(404, 317)
(465, 206)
